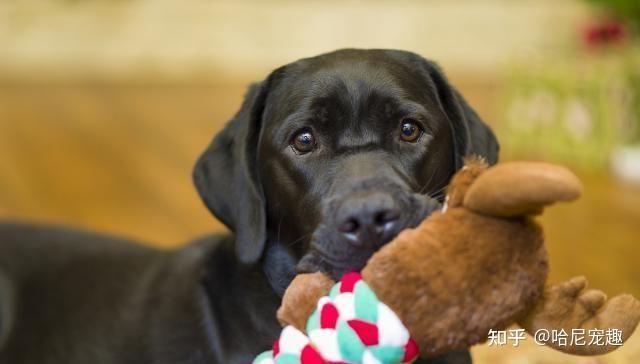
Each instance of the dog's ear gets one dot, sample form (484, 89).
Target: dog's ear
(472, 136)
(226, 178)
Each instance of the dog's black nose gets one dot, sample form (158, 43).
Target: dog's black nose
(368, 219)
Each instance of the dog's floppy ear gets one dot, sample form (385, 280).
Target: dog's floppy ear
(472, 136)
(226, 178)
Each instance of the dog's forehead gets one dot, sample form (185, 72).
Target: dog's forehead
(353, 80)
(354, 77)
(342, 90)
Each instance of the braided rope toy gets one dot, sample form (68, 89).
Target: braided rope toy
(349, 326)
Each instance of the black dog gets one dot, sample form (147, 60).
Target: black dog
(326, 161)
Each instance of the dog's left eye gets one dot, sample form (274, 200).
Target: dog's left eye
(303, 142)
(410, 131)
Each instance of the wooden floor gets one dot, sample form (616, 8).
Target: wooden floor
(118, 158)
(110, 158)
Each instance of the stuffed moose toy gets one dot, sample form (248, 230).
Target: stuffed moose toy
(478, 264)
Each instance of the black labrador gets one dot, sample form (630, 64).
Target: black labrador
(326, 160)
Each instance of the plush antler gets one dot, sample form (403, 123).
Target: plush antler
(521, 188)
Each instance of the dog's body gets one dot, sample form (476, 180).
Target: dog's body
(326, 161)
(75, 297)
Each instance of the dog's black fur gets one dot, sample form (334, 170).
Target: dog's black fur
(68, 296)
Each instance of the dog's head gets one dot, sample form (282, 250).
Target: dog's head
(330, 157)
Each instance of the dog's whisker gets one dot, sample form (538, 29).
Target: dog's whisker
(438, 195)
(433, 174)
(298, 239)
(439, 192)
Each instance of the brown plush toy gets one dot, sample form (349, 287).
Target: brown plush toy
(480, 264)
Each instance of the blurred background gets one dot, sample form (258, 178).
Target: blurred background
(105, 105)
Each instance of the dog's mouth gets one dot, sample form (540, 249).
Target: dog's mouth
(332, 256)
(318, 258)
(314, 261)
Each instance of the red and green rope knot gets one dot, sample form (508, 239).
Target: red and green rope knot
(349, 326)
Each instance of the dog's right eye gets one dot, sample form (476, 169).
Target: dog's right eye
(410, 131)
(303, 142)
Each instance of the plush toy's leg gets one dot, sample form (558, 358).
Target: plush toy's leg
(569, 306)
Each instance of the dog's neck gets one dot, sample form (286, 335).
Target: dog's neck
(240, 300)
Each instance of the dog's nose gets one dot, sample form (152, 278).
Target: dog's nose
(368, 219)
